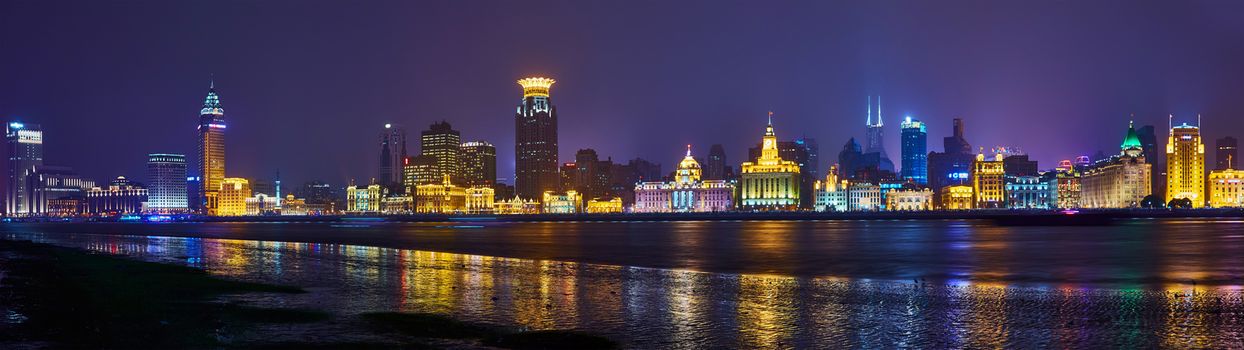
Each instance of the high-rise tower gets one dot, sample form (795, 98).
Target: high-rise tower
(25, 146)
(876, 141)
(479, 163)
(715, 166)
(166, 181)
(1185, 163)
(392, 156)
(1226, 153)
(535, 140)
(440, 140)
(211, 148)
(915, 152)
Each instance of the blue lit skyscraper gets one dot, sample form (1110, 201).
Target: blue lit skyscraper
(915, 151)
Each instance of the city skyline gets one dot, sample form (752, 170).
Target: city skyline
(278, 116)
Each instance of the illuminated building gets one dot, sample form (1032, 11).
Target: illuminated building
(568, 202)
(957, 197)
(364, 200)
(1226, 151)
(831, 194)
(231, 196)
(803, 152)
(442, 142)
(715, 165)
(770, 182)
(397, 205)
(876, 141)
(909, 199)
(479, 163)
(441, 198)
(588, 175)
(604, 206)
(291, 206)
(420, 170)
(1068, 189)
(1028, 192)
(535, 140)
(120, 197)
(25, 150)
(212, 150)
(624, 177)
(688, 192)
(988, 177)
(1185, 164)
(1226, 188)
(863, 196)
(166, 183)
(392, 156)
(953, 166)
(915, 157)
(56, 191)
(262, 204)
(480, 200)
(515, 205)
(1120, 181)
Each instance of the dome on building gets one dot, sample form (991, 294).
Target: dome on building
(1131, 143)
(688, 162)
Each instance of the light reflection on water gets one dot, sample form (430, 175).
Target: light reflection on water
(661, 308)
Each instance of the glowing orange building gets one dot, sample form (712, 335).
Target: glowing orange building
(211, 149)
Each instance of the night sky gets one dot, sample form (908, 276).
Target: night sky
(307, 85)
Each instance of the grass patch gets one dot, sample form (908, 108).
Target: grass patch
(551, 340)
(77, 299)
(426, 325)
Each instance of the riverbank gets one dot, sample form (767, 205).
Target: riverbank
(68, 298)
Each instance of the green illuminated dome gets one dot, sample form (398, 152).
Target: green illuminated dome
(1131, 142)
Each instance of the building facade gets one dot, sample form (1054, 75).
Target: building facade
(120, 197)
(1121, 181)
(953, 166)
(262, 204)
(25, 151)
(392, 156)
(988, 179)
(232, 195)
(915, 152)
(535, 140)
(1028, 192)
(56, 191)
(1226, 153)
(211, 142)
(364, 200)
(479, 163)
(875, 142)
(688, 192)
(568, 202)
(715, 165)
(909, 199)
(769, 183)
(1185, 164)
(831, 193)
(1226, 188)
(441, 198)
(957, 197)
(480, 200)
(1068, 187)
(604, 206)
(166, 183)
(442, 142)
(863, 196)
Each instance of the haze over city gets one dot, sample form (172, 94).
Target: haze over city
(308, 84)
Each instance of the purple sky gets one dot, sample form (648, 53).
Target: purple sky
(307, 85)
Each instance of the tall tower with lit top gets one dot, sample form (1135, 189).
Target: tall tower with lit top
(535, 140)
(876, 139)
(211, 148)
(1185, 163)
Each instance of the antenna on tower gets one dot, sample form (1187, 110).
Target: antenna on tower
(869, 121)
(1170, 122)
(211, 80)
(879, 123)
(1198, 120)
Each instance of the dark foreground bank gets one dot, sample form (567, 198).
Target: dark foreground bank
(63, 297)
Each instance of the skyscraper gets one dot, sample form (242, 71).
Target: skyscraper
(1226, 153)
(441, 141)
(915, 151)
(1149, 144)
(211, 148)
(479, 163)
(953, 166)
(715, 165)
(535, 140)
(25, 146)
(1185, 164)
(876, 141)
(392, 156)
(166, 183)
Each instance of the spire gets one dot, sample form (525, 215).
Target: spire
(1198, 120)
(211, 104)
(211, 81)
(688, 150)
(770, 118)
(879, 123)
(869, 121)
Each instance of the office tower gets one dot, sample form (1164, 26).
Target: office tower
(770, 182)
(1226, 153)
(420, 170)
(876, 141)
(988, 181)
(211, 148)
(688, 192)
(1149, 143)
(588, 175)
(715, 165)
(231, 200)
(441, 141)
(392, 155)
(479, 163)
(1185, 164)
(952, 166)
(194, 194)
(915, 157)
(1120, 181)
(624, 177)
(56, 191)
(535, 140)
(25, 146)
(166, 183)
